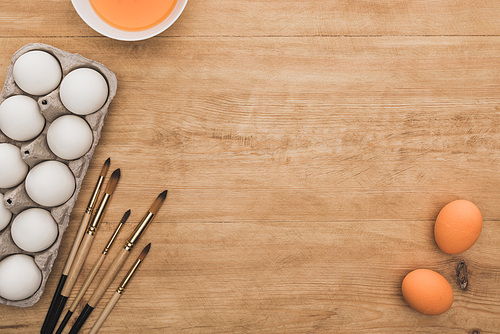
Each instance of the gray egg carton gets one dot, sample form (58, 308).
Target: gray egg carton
(37, 150)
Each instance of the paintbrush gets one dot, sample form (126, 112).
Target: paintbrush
(79, 236)
(116, 296)
(84, 248)
(118, 262)
(92, 274)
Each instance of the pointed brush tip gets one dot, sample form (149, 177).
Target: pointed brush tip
(145, 252)
(113, 182)
(105, 167)
(158, 202)
(125, 216)
(116, 174)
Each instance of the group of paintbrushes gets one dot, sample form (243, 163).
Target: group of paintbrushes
(78, 254)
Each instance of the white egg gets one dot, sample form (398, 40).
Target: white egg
(37, 72)
(20, 118)
(69, 137)
(13, 169)
(20, 277)
(34, 230)
(83, 91)
(5, 215)
(50, 183)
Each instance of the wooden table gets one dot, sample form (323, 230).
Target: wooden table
(307, 147)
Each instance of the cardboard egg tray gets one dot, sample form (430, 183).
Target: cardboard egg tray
(37, 150)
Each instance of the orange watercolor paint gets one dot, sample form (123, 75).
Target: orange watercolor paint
(133, 15)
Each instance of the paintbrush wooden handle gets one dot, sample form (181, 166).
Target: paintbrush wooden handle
(76, 243)
(78, 264)
(109, 277)
(105, 313)
(87, 282)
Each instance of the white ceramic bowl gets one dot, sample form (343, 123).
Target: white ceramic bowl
(87, 13)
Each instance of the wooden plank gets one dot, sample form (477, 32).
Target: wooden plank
(300, 129)
(276, 18)
(288, 277)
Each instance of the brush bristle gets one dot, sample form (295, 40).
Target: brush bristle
(113, 182)
(144, 252)
(125, 216)
(105, 167)
(158, 202)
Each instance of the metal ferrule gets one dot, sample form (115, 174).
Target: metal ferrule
(95, 195)
(128, 277)
(98, 215)
(112, 239)
(139, 230)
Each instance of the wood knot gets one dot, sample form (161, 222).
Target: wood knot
(462, 277)
(474, 331)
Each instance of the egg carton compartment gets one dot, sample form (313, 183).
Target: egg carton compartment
(37, 150)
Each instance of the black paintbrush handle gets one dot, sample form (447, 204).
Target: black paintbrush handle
(81, 319)
(57, 313)
(53, 304)
(64, 322)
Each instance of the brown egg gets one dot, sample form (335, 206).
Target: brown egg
(427, 292)
(458, 226)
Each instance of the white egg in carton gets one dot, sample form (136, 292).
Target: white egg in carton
(40, 177)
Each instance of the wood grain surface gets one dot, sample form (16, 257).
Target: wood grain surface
(307, 147)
